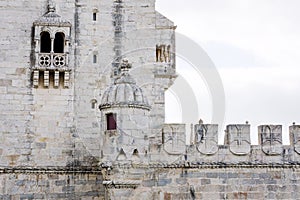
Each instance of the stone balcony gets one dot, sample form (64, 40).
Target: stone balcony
(52, 61)
(47, 69)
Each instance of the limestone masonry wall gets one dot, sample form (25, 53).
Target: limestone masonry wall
(209, 182)
(51, 183)
(82, 85)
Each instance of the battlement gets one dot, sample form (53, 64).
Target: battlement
(237, 147)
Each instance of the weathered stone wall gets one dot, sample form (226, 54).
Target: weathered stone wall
(50, 137)
(206, 170)
(50, 123)
(203, 181)
(35, 123)
(50, 183)
(217, 182)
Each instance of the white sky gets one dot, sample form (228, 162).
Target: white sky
(255, 45)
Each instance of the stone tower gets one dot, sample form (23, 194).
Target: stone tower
(82, 113)
(57, 60)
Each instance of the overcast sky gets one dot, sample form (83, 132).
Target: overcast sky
(255, 45)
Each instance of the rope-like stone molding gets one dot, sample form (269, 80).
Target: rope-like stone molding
(50, 170)
(200, 165)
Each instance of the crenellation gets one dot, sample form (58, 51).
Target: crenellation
(238, 139)
(270, 138)
(206, 138)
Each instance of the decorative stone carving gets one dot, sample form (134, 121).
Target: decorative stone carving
(66, 79)
(238, 137)
(52, 39)
(206, 138)
(56, 78)
(124, 92)
(35, 78)
(295, 137)
(44, 60)
(122, 155)
(174, 138)
(46, 78)
(270, 138)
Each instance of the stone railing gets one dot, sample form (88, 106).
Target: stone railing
(50, 65)
(52, 60)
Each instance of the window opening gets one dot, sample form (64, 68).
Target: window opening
(111, 121)
(94, 58)
(45, 42)
(59, 43)
(94, 16)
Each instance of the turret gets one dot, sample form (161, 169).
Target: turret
(124, 118)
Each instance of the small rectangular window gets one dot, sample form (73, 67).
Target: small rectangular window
(94, 58)
(94, 16)
(111, 121)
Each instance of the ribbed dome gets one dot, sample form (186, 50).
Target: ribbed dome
(124, 92)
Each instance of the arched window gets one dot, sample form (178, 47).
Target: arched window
(45, 42)
(59, 42)
(93, 102)
(95, 11)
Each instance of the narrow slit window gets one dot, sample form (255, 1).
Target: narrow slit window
(111, 121)
(93, 102)
(94, 16)
(94, 58)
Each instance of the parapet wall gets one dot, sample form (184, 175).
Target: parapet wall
(237, 147)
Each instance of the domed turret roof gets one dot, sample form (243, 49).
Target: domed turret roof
(51, 18)
(124, 92)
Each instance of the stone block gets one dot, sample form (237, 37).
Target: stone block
(212, 175)
(68, 189)
(163, 182)
(149, 183)
(3, 90)
(5, 82)
(205, 181)
(60, 183)
(26, 196)
(181, 181)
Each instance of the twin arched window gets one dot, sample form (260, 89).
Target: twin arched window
(58, 42)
